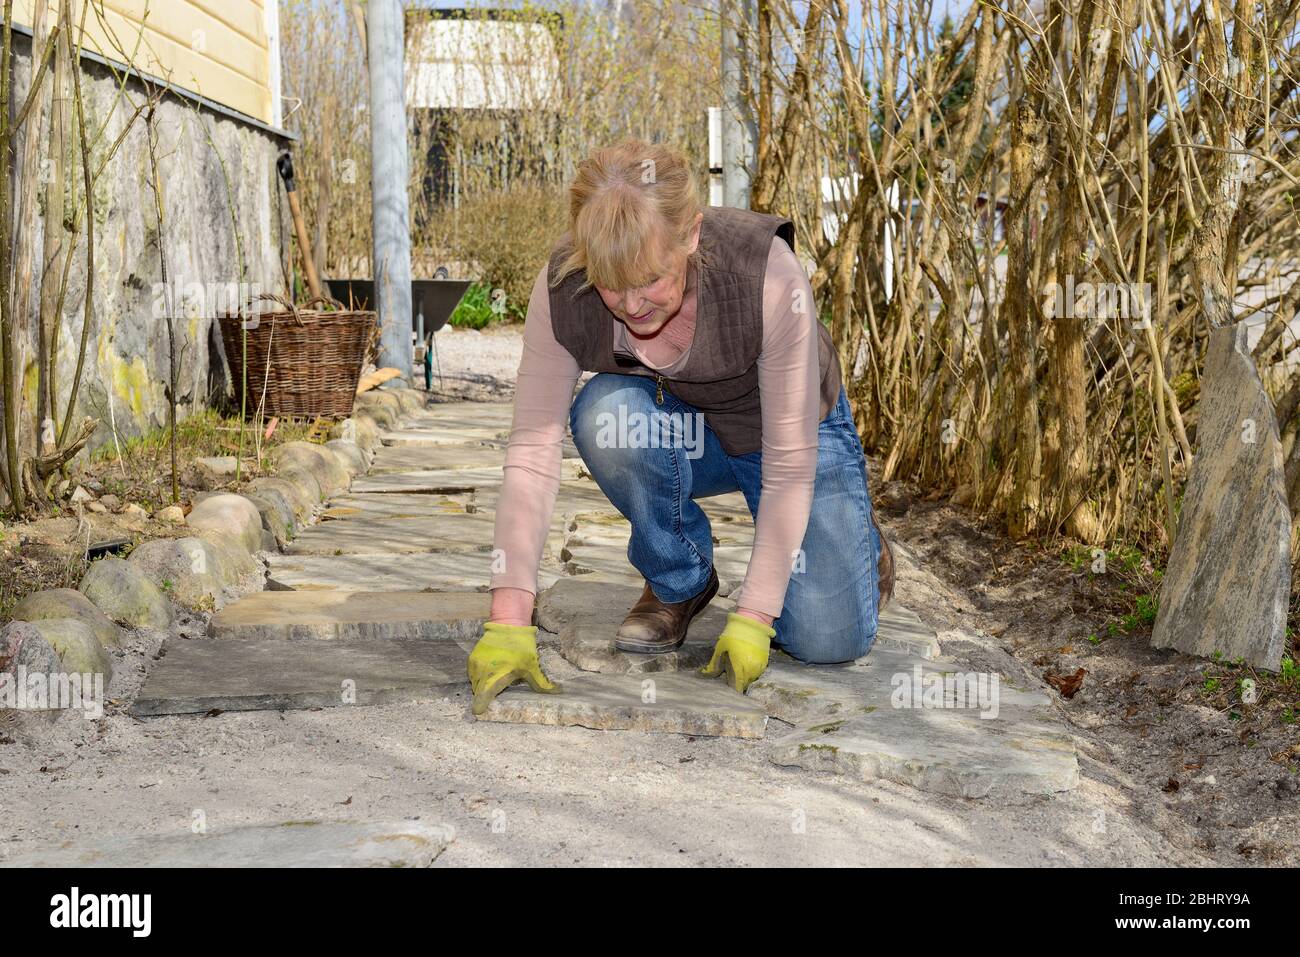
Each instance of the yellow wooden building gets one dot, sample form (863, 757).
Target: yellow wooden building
(226, 51)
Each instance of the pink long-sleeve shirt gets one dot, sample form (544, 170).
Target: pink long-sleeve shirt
(788, 381)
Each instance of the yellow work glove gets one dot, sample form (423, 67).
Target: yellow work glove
(505, 654)
(741, 651)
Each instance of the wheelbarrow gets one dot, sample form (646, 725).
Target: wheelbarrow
(432, 303)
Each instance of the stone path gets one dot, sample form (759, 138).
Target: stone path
(381, 601)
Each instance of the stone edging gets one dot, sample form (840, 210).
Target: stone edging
(72, 630)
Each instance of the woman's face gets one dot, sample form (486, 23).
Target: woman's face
(644, 310)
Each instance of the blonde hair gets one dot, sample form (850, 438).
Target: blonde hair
(632, 207)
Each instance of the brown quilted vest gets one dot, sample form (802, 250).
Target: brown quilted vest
(720, 377)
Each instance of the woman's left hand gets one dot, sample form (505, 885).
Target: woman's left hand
(741, 652)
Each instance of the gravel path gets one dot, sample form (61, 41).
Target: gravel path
(478, 365)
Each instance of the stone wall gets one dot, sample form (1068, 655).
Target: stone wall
(224, 237)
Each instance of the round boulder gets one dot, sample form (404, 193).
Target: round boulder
(350, 454)
(69, 603)
(232, 515)
(122, 592)
(191, 570)
(21, 646)
(299, 488)
(77, 647)
(277, 514)
(329, 472)
(361, 430)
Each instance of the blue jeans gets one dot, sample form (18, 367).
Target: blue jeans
(830, 605)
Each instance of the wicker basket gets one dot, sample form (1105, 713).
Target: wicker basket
(302, 362)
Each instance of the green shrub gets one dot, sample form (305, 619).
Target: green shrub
(476, 309)
(504, 238)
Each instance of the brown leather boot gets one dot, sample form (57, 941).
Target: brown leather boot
(884, 568)
(653, 627)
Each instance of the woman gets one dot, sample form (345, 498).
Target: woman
(687, 315)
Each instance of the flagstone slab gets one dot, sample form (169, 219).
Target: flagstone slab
(287, 844)
(418, 459)
(451, 479)
(574, 495)
(730, 561)
(900, 629)
(580, 617)
(463, 415)
(664, 703)
(875, 719)
(353, 614)
(433, 533)
(199, 675)
(388, 572)
(728, 508)
(612, 529)
(395, 505)
(433, 436)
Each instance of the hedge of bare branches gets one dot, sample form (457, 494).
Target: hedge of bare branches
(1023, 222)
(1067, 197)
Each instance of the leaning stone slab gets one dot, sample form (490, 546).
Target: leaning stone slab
(346, 615)
(125, 594)
(874, 720)
(1227, 584)
(434, 533)
(667, 703)
(386, 572)
(77, 647)
(68, 603)
(231, 515)
(199, 675)
(289, 844)
(584, 615)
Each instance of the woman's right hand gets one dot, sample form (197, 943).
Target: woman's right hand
(505, 654)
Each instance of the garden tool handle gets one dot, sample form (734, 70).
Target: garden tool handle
(285, 165)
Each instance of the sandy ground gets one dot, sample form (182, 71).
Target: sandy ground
(521, 795)
(477, 364)
(1227, 771)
